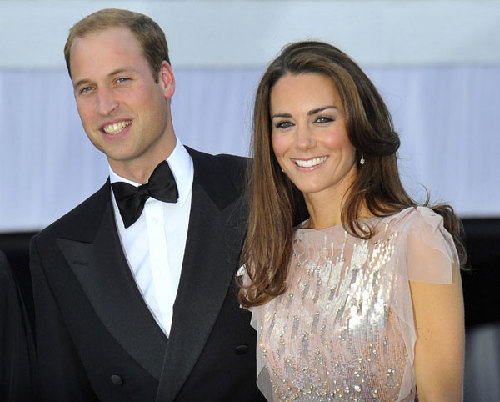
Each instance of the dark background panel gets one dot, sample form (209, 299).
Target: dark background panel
(481, 279)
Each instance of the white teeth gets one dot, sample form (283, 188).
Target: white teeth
(309, 162)
(116, 128)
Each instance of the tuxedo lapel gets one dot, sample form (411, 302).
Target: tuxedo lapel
(103, 273)
(206, 275)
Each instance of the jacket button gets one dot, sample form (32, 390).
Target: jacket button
(241, 349)
(116, 379)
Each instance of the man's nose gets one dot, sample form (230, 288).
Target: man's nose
(106, 102)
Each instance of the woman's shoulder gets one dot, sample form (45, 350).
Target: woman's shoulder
(429, 247)
(420, 224)
(418, 218)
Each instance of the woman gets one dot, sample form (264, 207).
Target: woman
(362, 300)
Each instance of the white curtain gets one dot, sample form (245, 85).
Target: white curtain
(446, 116)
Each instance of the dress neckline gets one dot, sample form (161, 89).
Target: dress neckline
(365, 221)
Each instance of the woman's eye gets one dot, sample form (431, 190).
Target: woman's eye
(283, 124)
(324, 119)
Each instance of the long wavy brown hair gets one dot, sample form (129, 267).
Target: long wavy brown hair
(277, 206)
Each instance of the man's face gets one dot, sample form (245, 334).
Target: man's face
(124, 112)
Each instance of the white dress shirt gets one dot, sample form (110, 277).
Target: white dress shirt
(154, 245)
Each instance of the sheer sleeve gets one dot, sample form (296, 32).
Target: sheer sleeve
(431, 252)
(263, 379)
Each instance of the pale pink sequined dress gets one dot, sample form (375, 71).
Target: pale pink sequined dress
(344, 329)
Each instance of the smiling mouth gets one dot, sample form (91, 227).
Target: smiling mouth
(116, 128)
(308, 163)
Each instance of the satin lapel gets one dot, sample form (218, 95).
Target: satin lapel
(103, 273)
(204, 283)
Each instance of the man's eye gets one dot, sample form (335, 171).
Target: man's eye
(86, 90)
(122, 80)
(283, 124)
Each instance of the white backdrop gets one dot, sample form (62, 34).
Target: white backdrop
(437, 64)
(446, 116)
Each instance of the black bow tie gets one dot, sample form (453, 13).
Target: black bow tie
(130, 199)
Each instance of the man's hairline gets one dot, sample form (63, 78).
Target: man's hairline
(102, 29)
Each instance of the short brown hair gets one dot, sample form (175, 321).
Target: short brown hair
(147, 32)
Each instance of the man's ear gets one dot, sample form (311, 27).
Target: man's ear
(167, 80)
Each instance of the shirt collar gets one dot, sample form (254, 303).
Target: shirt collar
(180, 163)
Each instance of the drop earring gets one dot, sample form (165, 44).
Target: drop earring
(362, 160)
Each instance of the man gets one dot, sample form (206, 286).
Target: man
(134, 296)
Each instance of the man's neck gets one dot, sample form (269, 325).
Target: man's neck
(140, 169)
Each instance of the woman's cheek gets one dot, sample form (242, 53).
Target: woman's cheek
(335, 139)
(280, 144)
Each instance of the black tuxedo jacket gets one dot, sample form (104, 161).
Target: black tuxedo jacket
(96, 338)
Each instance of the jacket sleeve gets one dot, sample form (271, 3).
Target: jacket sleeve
(61, 376)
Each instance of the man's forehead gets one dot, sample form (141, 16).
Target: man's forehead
(105, 36)
(113, 41)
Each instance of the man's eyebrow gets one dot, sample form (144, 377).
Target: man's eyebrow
(119, 71)
(85, 81)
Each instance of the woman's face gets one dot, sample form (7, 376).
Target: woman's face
(309, 134)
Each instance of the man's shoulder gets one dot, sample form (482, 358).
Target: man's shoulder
(232, 167)
(235, 167)
(81, 216)
(223, 176)
(232, 160)
(228, 160)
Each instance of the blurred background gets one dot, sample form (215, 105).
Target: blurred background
(436, 63)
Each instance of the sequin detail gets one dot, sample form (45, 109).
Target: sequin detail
(340, 338)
